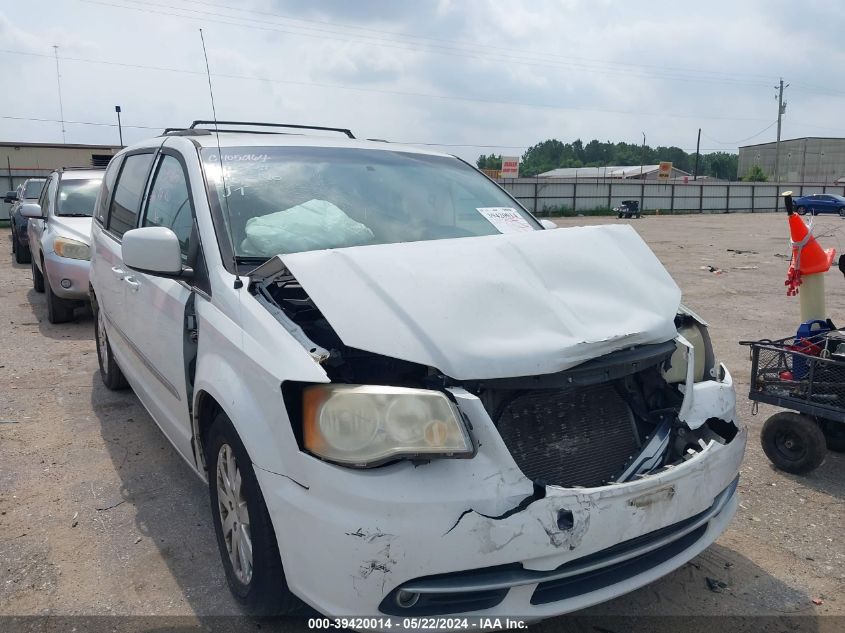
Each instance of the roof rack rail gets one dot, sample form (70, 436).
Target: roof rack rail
(341, 130)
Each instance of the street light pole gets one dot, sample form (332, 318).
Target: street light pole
(119, 128)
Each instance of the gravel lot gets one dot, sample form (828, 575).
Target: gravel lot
(98, 515)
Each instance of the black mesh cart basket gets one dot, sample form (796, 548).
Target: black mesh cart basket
(806, 376)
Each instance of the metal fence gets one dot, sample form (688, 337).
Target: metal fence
(546, 195)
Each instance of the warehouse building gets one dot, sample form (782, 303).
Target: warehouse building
(19, 161)
(811, 159)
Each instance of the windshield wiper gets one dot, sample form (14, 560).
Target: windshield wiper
(74, 215)
(242, 259)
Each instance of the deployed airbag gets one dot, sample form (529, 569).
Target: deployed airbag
(518, 304)
(310, 225)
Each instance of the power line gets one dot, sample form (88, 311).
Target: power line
(402, 93)
(742, 140)
(424, 144)
(40, 120)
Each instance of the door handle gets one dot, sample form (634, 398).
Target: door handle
(118, 272)
(134, 284)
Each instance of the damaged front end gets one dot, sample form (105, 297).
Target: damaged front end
(582, 484)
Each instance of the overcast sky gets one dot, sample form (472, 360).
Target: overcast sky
(461, 72)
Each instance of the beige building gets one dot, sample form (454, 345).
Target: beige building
(19, 161)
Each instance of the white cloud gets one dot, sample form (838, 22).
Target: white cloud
(586, 63)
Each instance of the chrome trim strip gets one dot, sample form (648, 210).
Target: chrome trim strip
(146, 361)
(517, 578)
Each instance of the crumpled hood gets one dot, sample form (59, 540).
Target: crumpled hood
(509, 305)
(72, 227)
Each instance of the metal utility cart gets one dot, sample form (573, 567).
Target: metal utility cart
(628, 209)
(805, 375)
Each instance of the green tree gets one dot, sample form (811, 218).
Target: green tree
(553, 154)
(489, 162)
(755, 174)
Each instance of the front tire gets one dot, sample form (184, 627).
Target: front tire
(794, 443)
(58, 310)
(37, 277)
(801, 210)
(842, 212)
(245, 534)
(112, 376)
(21, 251)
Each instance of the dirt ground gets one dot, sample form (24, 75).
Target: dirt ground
(98, 515)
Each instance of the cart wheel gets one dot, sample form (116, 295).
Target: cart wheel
(793, 442)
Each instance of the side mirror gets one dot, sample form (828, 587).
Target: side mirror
(11, 196)
(548, 224)
(31, 210)
(154, 250)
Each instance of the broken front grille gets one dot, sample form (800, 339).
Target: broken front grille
(577, 437)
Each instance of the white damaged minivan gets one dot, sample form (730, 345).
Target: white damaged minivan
(407, 395)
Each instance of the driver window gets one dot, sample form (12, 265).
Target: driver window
(168, 203)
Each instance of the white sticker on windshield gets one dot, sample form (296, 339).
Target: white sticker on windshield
(506, 219)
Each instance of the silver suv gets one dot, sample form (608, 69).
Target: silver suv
(59, 232)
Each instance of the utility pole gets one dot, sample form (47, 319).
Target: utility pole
(59, 84)
(697, 154)
(642, 157)
(119, 128)
(781, 110)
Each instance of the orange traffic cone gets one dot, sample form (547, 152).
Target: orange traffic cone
(807, 256)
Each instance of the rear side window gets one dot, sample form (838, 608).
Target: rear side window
(128, 193)
(104, 196)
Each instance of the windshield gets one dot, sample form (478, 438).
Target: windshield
(77, 197)
(292, 199)
(32, 189)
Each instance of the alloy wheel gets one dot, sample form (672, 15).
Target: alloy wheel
(234, 515)
(102, 340)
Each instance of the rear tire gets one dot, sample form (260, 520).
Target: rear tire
(58, 310)
(794, 443)
(842, 212)
(254, 573)
(110, 372)
(37, 277)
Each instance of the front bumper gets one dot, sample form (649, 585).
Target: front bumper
(351, 539)
(73, 270)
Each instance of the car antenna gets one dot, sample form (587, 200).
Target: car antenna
(238, 282)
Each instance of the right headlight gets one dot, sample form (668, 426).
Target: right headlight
(366, 425)
(694, 330)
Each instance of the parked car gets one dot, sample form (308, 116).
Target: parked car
(59, 234)
(820, 203)
(407, 397)
(29, 191)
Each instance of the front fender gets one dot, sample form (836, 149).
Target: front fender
(242, 366)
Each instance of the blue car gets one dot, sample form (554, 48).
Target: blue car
(820, 203)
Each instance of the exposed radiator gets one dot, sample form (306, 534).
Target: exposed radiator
(579, 437)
